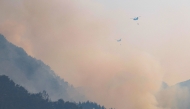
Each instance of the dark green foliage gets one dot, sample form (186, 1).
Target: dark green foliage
(90, 105)
(13, 96)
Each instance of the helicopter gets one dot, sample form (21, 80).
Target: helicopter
(136, 18)
(119, 40)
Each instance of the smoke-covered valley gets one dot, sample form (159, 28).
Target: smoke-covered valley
(78, 40)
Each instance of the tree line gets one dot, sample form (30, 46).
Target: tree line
(14, 96)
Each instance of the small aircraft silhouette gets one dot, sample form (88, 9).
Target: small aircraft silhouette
(119, 40)
(135, 18)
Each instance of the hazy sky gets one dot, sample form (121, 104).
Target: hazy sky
(78, 40)
(163, 32)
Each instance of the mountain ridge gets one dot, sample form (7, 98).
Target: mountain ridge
(33, 74)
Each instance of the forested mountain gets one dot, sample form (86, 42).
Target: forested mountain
(13, 96)
(33, 85)
(33, 74)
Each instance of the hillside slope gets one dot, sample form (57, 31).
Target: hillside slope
(33, 74)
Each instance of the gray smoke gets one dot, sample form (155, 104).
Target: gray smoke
(33, 74)
(76, 39)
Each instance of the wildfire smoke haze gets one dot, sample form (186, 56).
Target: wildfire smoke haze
(77, 39)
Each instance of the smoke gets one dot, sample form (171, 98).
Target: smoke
(175, 97)
(78, 40)
(129, 83)
(33, 74)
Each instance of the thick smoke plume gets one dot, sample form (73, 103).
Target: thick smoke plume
(78, 40)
